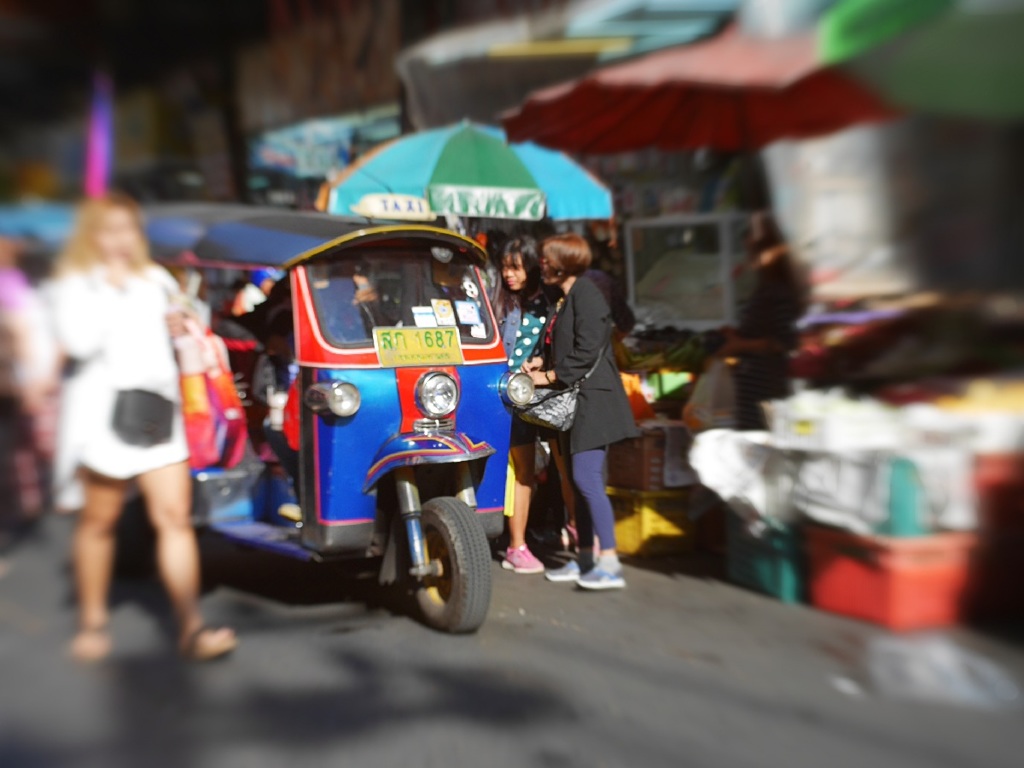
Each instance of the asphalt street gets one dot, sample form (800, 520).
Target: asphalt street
(679, 669)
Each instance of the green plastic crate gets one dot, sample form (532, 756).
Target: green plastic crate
(773, 564)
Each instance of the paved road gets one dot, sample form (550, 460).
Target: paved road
(675, 671)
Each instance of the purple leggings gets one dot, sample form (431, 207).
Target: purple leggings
(597, 517)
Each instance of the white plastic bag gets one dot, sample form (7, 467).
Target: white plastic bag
(713, 402)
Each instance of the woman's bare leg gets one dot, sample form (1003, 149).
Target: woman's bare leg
(523, 458)
(168, 494)
(93, 552)
(568, 490)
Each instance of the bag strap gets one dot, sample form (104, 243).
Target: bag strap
(600, 357)
(588, 374)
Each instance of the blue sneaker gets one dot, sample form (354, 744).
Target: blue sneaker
(599, 578)
(568, 572)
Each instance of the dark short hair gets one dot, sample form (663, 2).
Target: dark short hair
(569, 253)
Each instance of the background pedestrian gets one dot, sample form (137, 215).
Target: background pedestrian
(114, 316)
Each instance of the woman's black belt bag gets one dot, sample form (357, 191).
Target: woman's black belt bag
(143, 418)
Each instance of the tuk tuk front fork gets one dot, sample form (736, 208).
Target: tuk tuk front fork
(411, 511)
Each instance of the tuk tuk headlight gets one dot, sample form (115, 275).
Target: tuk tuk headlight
(437, 394)
(338, 397)
(516, 388)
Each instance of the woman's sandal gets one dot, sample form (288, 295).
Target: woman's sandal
(91, 644)
(206, 644)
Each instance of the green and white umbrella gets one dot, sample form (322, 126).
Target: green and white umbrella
(467, 170)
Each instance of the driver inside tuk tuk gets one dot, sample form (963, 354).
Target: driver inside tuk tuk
(421, 283)
(348, 302)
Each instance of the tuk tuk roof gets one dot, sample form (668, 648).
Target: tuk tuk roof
(242, 236)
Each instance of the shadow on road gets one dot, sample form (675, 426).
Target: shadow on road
(292, 582)
(170, 714)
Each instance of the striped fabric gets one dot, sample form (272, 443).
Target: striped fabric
(771, 312)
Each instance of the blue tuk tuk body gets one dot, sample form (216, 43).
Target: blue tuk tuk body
(402, 402)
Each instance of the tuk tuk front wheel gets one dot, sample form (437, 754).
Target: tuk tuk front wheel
(456, 598)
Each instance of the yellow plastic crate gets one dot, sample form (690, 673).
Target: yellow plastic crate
(652, 522)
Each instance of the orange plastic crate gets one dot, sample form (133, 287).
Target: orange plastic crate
(900, 583)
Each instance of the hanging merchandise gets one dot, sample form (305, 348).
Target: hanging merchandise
(215, 425)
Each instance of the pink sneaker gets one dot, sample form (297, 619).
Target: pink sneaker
(521, 561)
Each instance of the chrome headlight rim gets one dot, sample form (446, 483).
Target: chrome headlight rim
(516, 385)
(337, 397)
(426, 388)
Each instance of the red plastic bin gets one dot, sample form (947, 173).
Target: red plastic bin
(900, 583)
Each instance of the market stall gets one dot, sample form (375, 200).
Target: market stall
(733, 93)
(888, 488)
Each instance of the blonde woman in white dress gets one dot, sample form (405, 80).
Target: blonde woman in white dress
(115, 317)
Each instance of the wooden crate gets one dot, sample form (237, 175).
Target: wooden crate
(639, 463)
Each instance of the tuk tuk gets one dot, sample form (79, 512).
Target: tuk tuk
(399, 412)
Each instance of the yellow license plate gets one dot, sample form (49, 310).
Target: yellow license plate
(398, 347)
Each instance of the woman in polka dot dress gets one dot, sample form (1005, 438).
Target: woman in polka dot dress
(522, 310)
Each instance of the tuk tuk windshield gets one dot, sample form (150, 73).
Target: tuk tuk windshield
(408, 288)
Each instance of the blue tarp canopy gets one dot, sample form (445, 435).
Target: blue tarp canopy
(230, 235)
(45, 223)
(239, 235)
(251, 237)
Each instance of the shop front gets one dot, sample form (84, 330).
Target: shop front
(287, 166)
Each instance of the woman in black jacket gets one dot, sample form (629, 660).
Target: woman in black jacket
(577, 336)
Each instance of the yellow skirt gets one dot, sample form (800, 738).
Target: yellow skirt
(510, 488)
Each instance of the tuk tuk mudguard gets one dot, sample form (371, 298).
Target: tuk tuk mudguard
(410, 450)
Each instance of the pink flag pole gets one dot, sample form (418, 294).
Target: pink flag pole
(100, 138)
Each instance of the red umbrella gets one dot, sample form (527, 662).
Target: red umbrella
(731, 92)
